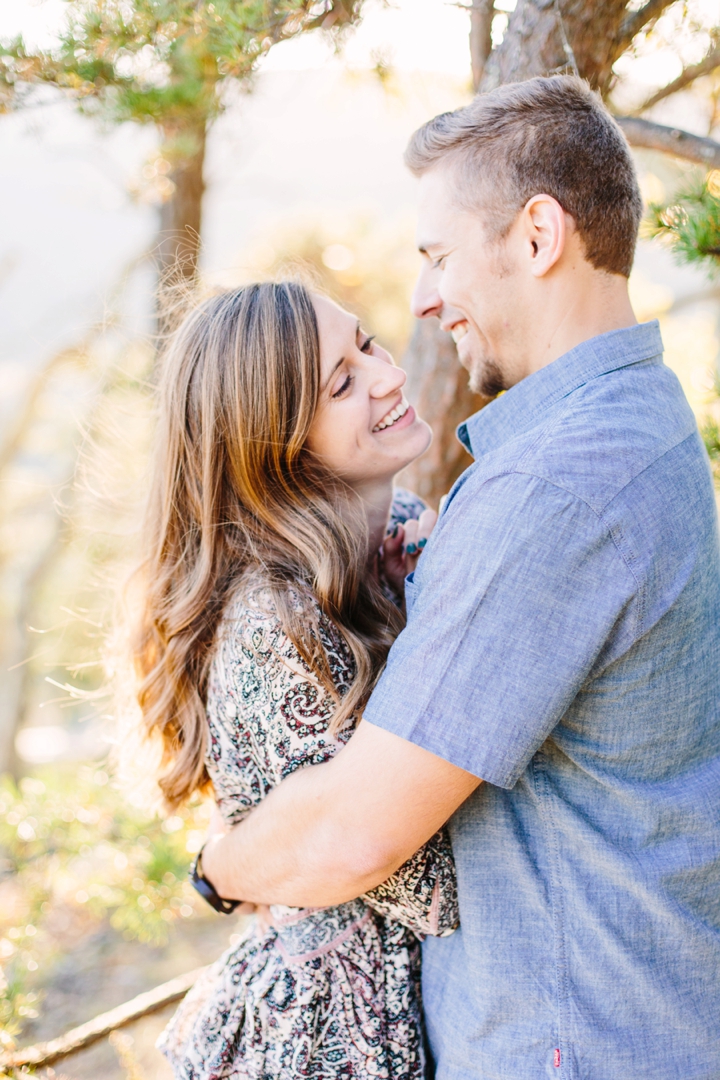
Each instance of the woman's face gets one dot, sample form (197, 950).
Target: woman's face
(364, 431)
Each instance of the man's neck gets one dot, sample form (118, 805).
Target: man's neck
(595, 303)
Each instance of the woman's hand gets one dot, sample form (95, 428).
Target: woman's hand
(403, 547)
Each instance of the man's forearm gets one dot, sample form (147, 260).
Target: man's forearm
(331, 832)
(295, 849)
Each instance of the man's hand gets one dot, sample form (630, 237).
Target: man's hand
(331, 832)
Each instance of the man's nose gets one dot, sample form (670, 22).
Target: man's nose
(426, 301)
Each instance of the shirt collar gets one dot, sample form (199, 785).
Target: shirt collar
(521, 408)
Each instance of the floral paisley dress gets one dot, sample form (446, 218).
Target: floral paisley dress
(325, 993)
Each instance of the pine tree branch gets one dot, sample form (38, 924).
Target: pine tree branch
(689, 75)
(636, 20)
(45, 1053)
(651, 136)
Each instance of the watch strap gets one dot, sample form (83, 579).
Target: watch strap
(207, 890)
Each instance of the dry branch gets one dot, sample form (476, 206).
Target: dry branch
(636, 20)
(45, 1053)
(650, 136)
(689, 75)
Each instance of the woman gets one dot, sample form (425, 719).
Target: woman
(267, 617)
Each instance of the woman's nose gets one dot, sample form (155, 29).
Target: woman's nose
(386, 378)
(426, 302)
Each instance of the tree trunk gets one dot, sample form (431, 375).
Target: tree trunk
(543, 37)
(481, 17)
(178, 246)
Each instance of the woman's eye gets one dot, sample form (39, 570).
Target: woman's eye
(344, 388)
(367, 344)
(437, 265)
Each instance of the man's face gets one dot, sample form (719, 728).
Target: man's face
(471, 283)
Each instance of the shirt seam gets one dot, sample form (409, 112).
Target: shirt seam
(557, 905)
(517, 471)
(601, 517)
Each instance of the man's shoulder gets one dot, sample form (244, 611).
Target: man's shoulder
(622, 430)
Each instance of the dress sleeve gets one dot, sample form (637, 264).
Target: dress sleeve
(422, 894)
(406, 505)
(267, 714)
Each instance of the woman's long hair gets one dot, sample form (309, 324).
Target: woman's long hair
(236, 489)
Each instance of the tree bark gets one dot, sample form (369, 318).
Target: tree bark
(669, 140)
(481, 17)
(534, 43)
(178, 246)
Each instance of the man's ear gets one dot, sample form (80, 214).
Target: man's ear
(544, 229)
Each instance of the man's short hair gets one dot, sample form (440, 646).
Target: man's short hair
(550, 136)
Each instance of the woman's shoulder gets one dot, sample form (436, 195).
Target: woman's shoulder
(253, 629)
(252, 614)
(406, 505)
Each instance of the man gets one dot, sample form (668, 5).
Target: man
(557, 688)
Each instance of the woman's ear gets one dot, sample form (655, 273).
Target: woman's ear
(544, 227)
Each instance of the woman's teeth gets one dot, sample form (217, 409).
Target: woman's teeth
(389, 420)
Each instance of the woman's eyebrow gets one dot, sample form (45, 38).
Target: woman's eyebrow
(329, 378)
(340, 361)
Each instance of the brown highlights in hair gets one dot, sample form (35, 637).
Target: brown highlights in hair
(550, 136)
(238, 499)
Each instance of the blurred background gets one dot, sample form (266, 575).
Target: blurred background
(292, 153)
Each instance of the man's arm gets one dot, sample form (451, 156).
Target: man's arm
(331, 832)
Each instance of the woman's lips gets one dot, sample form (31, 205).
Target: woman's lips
(404, 421)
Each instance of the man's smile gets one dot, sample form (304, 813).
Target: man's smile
(459, 331)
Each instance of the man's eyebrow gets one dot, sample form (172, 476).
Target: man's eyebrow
(340, 361)
(425, 246)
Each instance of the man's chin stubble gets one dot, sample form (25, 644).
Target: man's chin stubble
(488, 380)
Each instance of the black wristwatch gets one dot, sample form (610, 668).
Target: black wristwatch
(207, 890)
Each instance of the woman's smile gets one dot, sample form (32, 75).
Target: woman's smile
(393, 419)
(362, 401)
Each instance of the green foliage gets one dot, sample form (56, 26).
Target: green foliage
(691, 223)
(710, 431)
(76, 854)
(161, 61)
(691, 226)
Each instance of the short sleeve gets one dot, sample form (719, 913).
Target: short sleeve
(520, 594)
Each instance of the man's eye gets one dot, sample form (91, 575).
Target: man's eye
(344, 388)
(367, 344)
(437, 265)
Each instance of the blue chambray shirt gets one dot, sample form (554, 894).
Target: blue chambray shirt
(563, 644)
